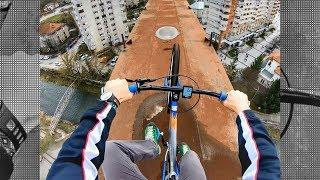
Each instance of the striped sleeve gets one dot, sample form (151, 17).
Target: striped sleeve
(82, 154)
(257, 153)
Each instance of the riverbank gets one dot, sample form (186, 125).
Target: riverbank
(57, 77)
(63, 129)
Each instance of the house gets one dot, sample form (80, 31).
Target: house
(53, 33)
(50, 7)
(198, 8)
(271, 72)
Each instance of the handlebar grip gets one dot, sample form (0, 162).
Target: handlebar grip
(133, 88)
(223, 96)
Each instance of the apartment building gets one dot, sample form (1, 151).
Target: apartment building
(197, 8)
(271, 72)
(231, 22)
(53, 33)
(102, 23)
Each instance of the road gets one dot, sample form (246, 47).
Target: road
(56, 12)
(50, 63)
(248, 54)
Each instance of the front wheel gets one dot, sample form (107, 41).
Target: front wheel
(173, 80)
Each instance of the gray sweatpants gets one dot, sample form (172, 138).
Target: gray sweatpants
(120, 158)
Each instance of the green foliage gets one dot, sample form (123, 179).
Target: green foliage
(66, 127)
(251, 42)
(135, 10)
(191, 1)
(232, 72)
(256, 65)
(272, 29)
(45, 142)
(233, 53)
(83, 49)
(273, 98)
(262, 35)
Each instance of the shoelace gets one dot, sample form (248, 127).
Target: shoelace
(150, 133)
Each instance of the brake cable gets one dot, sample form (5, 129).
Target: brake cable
(291, 106)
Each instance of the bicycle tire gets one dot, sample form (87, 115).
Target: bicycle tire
(175, 64)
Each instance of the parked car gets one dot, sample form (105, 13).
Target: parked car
(115, 59)
(84, 57)
(46, 57)
(57, 64)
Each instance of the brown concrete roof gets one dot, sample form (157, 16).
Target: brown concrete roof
(50, 28)
(275, 55)
(278, 71)
(149, 56)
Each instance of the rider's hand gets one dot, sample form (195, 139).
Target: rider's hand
(119, 88)
(237, 101)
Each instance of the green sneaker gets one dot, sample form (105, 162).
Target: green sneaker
(152, 132)
(184, 148)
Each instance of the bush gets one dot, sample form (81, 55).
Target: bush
(66, 127)
(250, 42)
(262, 35)
(83, 49)
(233, 53)
(191, 1)
(45, 142)
(273, 98)
(256, 65)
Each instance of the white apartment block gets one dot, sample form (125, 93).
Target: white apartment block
(235, 21)
(197, 8)
(102, 23)
(271, 72)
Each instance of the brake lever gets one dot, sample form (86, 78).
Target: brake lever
(141, 81)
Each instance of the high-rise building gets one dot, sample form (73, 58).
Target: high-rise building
(231, 22)
(102, 23)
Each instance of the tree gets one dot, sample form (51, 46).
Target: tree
(231, 70)
(273, 97)
(71, 64)
(191, 1)
(256, 65)
(83, 49)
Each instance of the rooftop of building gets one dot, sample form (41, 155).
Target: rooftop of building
(197, 5)
(148, 56)
(50, 28)
(275, 55)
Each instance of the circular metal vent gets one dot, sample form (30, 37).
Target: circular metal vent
(167, 33)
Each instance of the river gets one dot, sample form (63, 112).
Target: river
(51, 94)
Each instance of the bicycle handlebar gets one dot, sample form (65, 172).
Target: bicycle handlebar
(135, 88)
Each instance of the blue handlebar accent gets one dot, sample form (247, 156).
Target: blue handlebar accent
(133, 88)
(223, 96)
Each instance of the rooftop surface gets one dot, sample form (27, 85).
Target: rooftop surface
(209, 128)
(50, 28)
